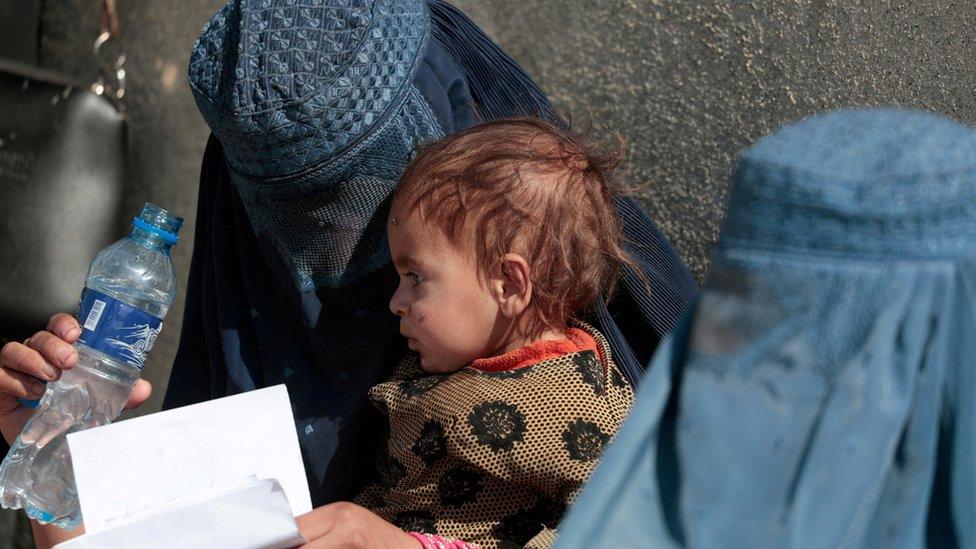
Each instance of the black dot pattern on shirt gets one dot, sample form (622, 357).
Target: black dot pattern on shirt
(416, 521)
(417, 386)
(497, 424)
(521, 526)
(584, 441)
(459, 486)
(590, 369)
(495, 459)
(431, 445)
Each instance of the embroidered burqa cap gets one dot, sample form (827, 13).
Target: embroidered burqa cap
(316, 106)
(823, 391)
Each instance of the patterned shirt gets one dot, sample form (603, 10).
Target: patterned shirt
(494, 453)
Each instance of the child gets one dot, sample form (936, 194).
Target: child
(503, 236)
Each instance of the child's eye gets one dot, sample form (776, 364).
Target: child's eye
(416, 278)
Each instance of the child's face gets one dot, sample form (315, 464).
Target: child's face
(447, 311)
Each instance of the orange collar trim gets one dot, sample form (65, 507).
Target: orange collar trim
(576, 340)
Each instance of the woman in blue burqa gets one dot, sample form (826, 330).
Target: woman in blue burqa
(315, 112)
(822, 392)
(316, 108)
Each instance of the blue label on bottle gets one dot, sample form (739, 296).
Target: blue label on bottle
(117, 329)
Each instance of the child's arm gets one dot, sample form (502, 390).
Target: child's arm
(433, 541)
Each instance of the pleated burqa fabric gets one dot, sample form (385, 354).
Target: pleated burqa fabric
(822, 392)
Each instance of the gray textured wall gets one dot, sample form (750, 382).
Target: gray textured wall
(691, 84)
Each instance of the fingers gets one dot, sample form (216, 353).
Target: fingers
(55, 350)
(21, 358)
(315, 524)
(43, 356)
(345, 524)
(141, 391)
(64, 326)
(20, 385)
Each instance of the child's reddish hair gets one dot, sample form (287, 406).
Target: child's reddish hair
(526, 186)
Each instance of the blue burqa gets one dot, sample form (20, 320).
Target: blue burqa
(316, 107)
(822, 392)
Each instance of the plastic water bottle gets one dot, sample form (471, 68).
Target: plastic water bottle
(129, 288)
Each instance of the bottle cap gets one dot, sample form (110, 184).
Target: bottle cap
(172, 238)
(159, 222)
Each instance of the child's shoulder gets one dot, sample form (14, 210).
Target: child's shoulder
(581, 362)
(583, 381)
(549, 418)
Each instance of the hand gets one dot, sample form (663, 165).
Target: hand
(25, 366)
(348, 525)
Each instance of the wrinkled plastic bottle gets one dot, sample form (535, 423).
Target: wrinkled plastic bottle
(129, 288)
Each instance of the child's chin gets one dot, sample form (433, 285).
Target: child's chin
(437, 367)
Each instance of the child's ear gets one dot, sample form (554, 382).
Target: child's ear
(513, 288)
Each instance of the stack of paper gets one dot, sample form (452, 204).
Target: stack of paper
(223, 473)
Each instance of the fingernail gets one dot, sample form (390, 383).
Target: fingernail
(50, 372)
(36, 388)
(72, 333)
(65, 354)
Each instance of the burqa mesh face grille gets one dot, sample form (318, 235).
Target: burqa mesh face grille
(329, 226)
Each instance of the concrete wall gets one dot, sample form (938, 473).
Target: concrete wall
(691, 84)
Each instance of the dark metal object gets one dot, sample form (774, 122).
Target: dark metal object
(62, 150)
(19, 21)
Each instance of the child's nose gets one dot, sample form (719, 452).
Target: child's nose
(398, 304)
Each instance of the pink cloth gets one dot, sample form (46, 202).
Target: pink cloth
(432, 541)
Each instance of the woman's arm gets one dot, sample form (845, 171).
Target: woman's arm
(345, 524)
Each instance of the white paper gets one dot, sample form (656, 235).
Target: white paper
(252, 515)
(126, 468)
